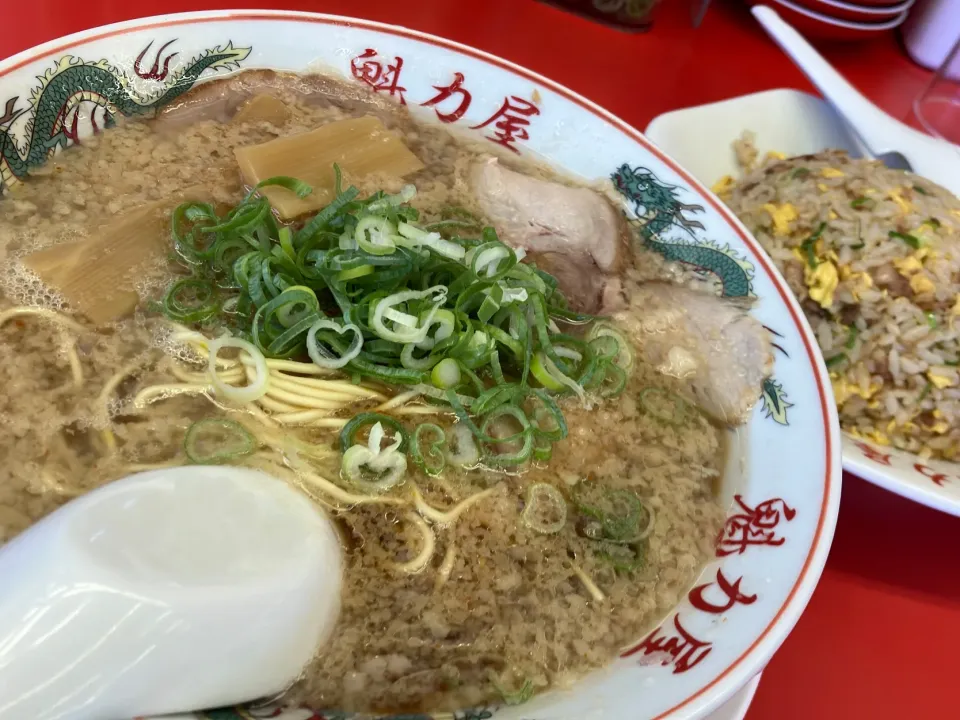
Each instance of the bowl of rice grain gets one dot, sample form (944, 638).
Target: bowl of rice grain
(873, 256)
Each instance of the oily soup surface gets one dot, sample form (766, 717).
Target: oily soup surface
(500, 608)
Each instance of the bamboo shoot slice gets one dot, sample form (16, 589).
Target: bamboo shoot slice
(263, 108)
(360, 146)
(97, 275)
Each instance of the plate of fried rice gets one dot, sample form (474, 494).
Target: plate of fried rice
(873, 256)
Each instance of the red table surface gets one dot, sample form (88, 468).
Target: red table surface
(881, 634)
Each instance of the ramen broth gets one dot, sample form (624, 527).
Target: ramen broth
(499, 609)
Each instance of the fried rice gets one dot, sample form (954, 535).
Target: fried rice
(873, 255)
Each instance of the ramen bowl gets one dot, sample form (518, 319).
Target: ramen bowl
(782, 478)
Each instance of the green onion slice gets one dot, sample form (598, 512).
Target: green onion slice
(852, 332)
(545, 509)
(624, 559)
(373, 468)
(300, 188)
(192, 300)
(600, 336)
(911, 240)
(327, 355)
(213, 441)
(617, 516)
(506, 448)
(664, 405)
(515, 697)
(349, 432)
(426, 451)
(835, 360)
(446, 374)
(463, 450)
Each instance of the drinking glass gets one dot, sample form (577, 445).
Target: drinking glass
(938, 106)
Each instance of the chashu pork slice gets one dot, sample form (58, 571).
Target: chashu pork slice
(572, 233)
(710, 342)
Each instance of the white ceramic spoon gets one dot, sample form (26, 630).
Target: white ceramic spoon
(167, 591)
(885, 136)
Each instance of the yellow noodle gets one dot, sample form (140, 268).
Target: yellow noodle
(332, 423)
(422, 410)
(70, 347)
(446, 567)
(76, 369)
(260, 415)
(286, 443)
(450, 516)
(60, 318)
(363, 390)
(232, 375)
(303, 400)
(397, 400)
(103, 400)
(301, 417)
(591, 587)
(268, 403)
(301, 368)
(198, 343)
(321, 388)
(426, 550)
(335, 491)
(265, 462)
(161, 392)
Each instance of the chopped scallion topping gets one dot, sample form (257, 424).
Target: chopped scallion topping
(516, 697)
(911, 240)
(808, 246)
(213, 441)
(664, 405)
(446, 308)
(852, 333)
(835, 360)
(545, 510)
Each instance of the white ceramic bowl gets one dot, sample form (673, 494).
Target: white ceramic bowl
(856, 12)
(796, 123)
(784, 473)
(830, 22)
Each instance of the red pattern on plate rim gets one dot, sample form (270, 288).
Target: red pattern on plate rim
(510, 122)
(940, 479)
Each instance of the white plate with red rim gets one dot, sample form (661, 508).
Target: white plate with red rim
(784, 478)
(795, 123)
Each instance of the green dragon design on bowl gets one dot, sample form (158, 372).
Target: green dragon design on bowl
(658, 210)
